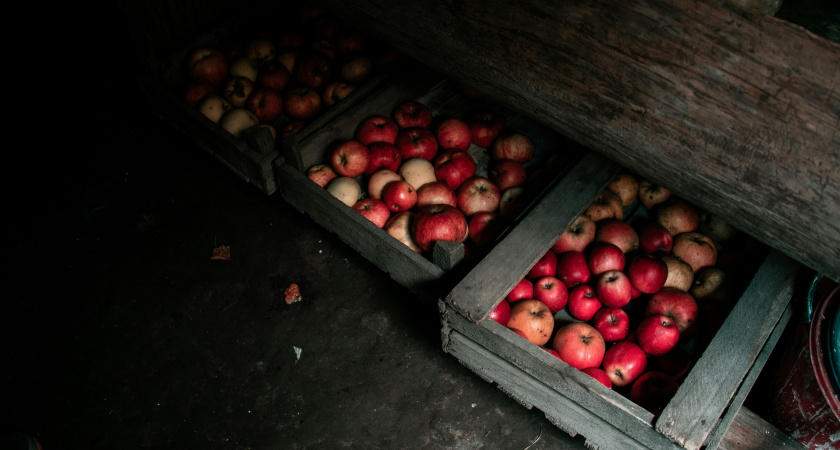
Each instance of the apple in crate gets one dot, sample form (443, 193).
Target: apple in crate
(607, 205)
(680, 273)
(349, 158)
(515, 146)
(438, 223)
(245, 68)
(485, 126)
(478, 194)
(324, 46)
(652, 194)
(711, 286)
(436, 193)
(261, 50)
(523, 290)
(657, 335)
(379, 179)
(613, 323)
(534, 319)
(678, 305)
(335, 91)
(572, 268)
(507, 173)
(647, 273)
(577, 236)
(501, 313)
(653, 391)
(654, 237)
(599, 375)
(410, 114)
(453, 167)
(237, 120)
(236, 91)
(399, 196)
(675, 363)
(417, 142)
(346, 189)
(624, 362)
(208, 63)
(313, 70)
(273, 75)
(618, 233)
(376, 128)
(214, 107)
(604, 257)
(677, 215)
(288, 59)
(580, 345)
(613, 288)
(513, 201)
(321, 174)
(301, 103)
(626, 185)
(374, 210)
(552, 292)
(197, 89)
(417, 171)
(583, 302)
(484, 227)
(696, 249)
(400, 227)
(355, 68)
(545, 266)
(452, 132)
(266, 103)
(383, 155)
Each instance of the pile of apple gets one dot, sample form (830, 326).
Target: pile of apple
(622, 302)
(413, 175)
(280, 79)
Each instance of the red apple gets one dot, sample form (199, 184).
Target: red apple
(438, 223)
(653, 390)
(273, 75)
(626, 185)
(452, 132)
(515, 146)
(677, 305)
(349, 158)
(572, 268)
(374, 210)
(197, 90)
(313, 70)
(436, 193)
(552, 292)
(624, 362)
(613, 323)
(580, 345)
(301, 103)
(675, 363)
(379, 179)
(416, 142)
(604, 257)
(376, 128)
(400, 227)
(383, 155)
(321, 174)
(266, 103)
(335, 91)
(618, 233)
(583, 302)
(599, 375)
(657, 335)
(523, 290)
(208, 63)
(501, 313)
(546, 266)
(534, 319)
(607, 205)
(485, 126)
(507, 173)
(484, 227)
(478, 194)
(399, 196)
(577, 236)
(652, 194)
(677, 215)
(613, 288)
(696, 249)
(288, 129)
(552, 352)
(654, 237)
(647, 273)
(236, 91)
(513, 201)
(410, 114)
(453, 167)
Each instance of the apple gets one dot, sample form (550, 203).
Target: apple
(453, 167)
(501, 313)
(654, 237)
(376, 128)
(236, 91)
(647, 273)
(266, 103)
(412, 114)
(513, 202)
(544, 267)
(626, 185)
(484, 228)
(580, 345)
(335, 91)
(356, 68)
(383, 156)
(551, 352)
(657, 335)
(379, 179)
(583, 302)
(349, 158)
(438, 223)
(523, 290)
(349, 41)
(400, 227)
(478, 194)
(716, 227)
(436, 193)
(599, 375)
(399, 196)
(677, 215)
(507, 173)
(208, 63)
(301, 103)
(573, 268)
(324, 46)
(677, 305)
(680, 273)
(197, 89)
(577, 236)
(696, 249)
(512, 145)
(214, 107)
(452, 132)
(290, 128)
(261, 50)
(533, 318)
(652, 194)
(485, 126)
(607, 205)
(613, 323)
(613, 288)
(345, 189)
(288, 59)
(273, 75)
(604, 257)
(417, 171)
(710, 285)
(552, 292)
(624, 362)
(374, 210)
(416, 142)
(321, 174)
(653, 390)
(313, 70)
(245, 68)
(675, 363)
(619, 233)
(237, 120)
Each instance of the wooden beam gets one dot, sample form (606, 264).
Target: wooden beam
(738, 113)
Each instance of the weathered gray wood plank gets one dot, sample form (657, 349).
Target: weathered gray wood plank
(749, 431)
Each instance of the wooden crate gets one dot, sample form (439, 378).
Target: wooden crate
(252, 156)
(429, 277)
(709, 399)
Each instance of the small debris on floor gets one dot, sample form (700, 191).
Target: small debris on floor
(292, 294)
(221, 252)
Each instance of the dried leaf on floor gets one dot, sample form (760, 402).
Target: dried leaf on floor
(292, 294)
(222, 252)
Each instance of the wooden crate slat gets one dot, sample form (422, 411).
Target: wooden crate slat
(710, 386)
(750, 431)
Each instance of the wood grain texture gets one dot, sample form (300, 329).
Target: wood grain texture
(749, 431)
(738, 113)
